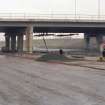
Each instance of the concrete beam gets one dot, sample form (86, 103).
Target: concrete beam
(29, 39)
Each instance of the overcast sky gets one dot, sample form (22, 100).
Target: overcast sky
(52, 6)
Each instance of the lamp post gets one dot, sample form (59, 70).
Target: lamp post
(98, 8)
(75, 8)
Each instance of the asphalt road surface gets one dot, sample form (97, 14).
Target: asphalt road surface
(27, 82)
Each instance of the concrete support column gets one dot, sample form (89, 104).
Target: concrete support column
(99, 40)
(7, 42)
(87, 41)
(20, 43)
(13, 43)
(29, 39)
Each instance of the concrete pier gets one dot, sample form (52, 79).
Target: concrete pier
(87, 41)
(13, 43)
(29, 39)
(7, 42)
(99, 40)
(20, 43)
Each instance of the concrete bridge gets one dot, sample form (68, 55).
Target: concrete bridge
(20, 25)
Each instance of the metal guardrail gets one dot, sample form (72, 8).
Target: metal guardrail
(50, 16)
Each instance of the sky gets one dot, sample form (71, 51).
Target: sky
(87, 7)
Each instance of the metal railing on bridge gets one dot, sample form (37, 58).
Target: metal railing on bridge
(51, 16)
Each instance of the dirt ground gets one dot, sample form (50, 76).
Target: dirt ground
(29, 82)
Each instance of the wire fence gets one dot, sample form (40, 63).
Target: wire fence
(51, 16)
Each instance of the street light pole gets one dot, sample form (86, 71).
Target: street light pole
(98, 8)
(75, 8)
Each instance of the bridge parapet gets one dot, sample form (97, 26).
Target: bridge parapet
(26, 16)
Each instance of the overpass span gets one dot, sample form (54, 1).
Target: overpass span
(22, 24)
(53, 23)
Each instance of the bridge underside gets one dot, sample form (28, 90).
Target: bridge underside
(69, 29)
(14, 35)
(55, 29)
